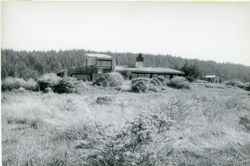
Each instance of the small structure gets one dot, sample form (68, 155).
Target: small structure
(212, 78)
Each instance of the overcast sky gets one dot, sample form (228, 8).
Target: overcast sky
(207, 31)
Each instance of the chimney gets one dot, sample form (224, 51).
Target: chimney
(65, 73)
(139, 61)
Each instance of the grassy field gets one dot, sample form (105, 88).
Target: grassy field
(206, 125)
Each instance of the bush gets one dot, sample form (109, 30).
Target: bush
(179, 83)
(159, 81)
(190, 79)
(104, 100)
(113, 79)
(66, 85)
(10, 83)
(247, 86)
(191, 71)
(140, 84)
(48, 80)
(51, 82)
(235, 83)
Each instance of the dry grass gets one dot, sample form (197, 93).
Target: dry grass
(201, 126)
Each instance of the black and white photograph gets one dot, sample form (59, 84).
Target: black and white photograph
(125, 83)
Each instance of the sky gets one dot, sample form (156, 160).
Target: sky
(218, 31)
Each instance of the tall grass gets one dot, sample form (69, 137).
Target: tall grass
(174, 127)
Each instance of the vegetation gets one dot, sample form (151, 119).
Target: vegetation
(207, 125)
(191, 71)
(33, 64)
(234, 82)
(247, 86)
(203, 126)
(48, 80)
(112, 79)
(140, 84)
(159, 81)
(10, 83)
(179, 83)
(65, 85)
(51, 82)
(104, 100)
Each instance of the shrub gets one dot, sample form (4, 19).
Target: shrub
(15, 83)
(115, 79)
(104, 100)
(159, 81)
(247, 86)
(125, 147)
(101, 80)
(109, 80)
(190, 79)
(191, 71)
(140, 84)
(179, 83)
(65, 85)
(48, 80)
(245, 121)
(235, 83)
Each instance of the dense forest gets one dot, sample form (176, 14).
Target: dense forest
(32, 64)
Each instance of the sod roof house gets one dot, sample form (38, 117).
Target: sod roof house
(101, 63)
(140, 71)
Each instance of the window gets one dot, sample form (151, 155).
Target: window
(104, 63)
(98, 63)
(134, 75)
(140, 75)
(154, 75)
(91, 61)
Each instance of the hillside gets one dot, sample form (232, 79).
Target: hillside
(35, 63)
(206, 125)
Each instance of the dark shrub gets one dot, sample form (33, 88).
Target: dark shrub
(245, 121)
(191, 71)
(102, 80)
(190, 79)
(140, 84)
(159, 81)
(66, 85)
(48, 80)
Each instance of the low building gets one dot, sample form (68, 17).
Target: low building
(212, 78)
(140, 71)
(100, 63)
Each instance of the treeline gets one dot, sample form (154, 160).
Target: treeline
(32, 64)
